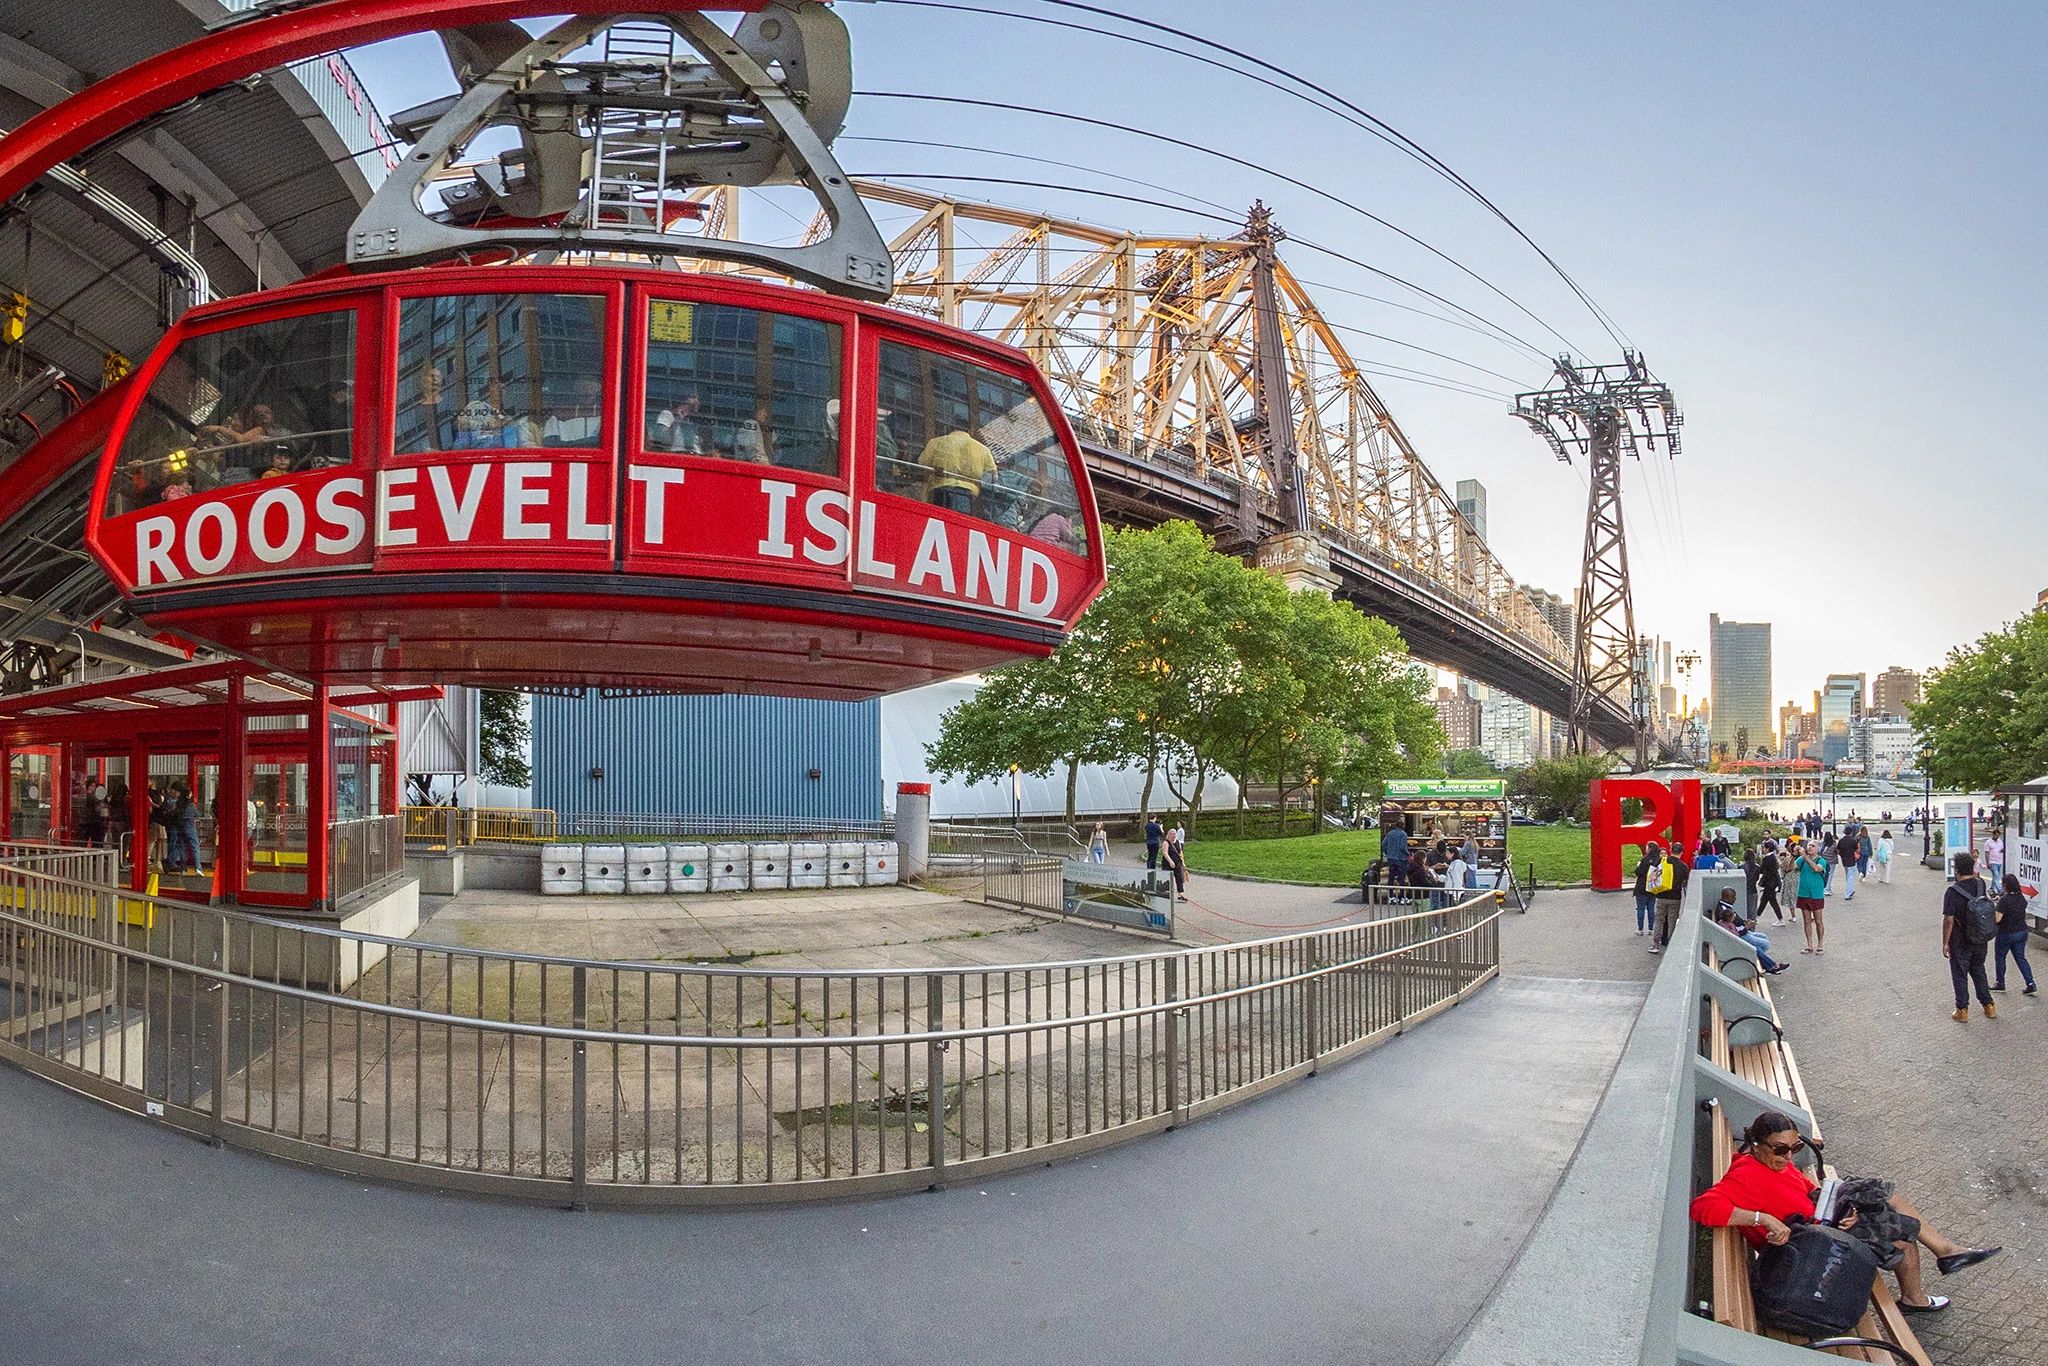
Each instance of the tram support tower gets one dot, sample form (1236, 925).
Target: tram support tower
(1604, 412)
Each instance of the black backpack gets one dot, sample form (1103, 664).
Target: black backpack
(1817, 1284)
(1980, 918)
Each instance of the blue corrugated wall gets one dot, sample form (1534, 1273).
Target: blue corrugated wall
(708, 756)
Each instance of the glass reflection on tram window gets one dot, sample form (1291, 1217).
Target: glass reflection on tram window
(721, 384)
(244, 403)
(960, 436)
(500, 372)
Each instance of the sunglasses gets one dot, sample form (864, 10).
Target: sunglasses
(1786, 1149)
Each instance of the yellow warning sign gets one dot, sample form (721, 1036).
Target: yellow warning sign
(670, 322)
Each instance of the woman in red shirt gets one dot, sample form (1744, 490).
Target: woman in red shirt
(1763, 1191)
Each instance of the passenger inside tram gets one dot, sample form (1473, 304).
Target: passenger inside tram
(735, 383)
(984, 446)
(240, 404)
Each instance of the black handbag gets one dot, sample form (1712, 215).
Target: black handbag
(1817, 1283)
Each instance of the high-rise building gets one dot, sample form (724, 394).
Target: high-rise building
(1554, 610)
(1512, 733)
(1457, 711)
(1887, 745)
(1740, 686)
(1840, 707)
(1892, 691)
(1472, 505)
(1791, 727)
(1665, 677)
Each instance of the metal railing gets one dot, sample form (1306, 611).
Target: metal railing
(363, 852)
(1637, 1168)
(575, 1080)
(96, 864)
(630, 826)
(450, 827)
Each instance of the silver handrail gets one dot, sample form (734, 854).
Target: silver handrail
(571, 1079)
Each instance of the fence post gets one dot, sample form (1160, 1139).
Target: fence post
(579, 1077)
(1174, 1042)
(935, 1080)
(1315, 1014)
(218, 1124)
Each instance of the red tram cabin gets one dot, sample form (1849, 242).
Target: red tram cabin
(595, 475)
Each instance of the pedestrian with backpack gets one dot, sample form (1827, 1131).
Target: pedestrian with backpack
(1969, 926)
(2013, 934)
(1846, 849)
(1647, 872)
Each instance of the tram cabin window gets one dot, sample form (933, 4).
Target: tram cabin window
(738, 384)
(239, 404)
(500, 372)
(961, 436)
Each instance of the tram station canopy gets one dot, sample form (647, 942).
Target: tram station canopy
(215, 782)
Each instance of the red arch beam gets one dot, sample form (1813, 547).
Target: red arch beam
(106, 108)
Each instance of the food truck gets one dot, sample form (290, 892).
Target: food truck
(1430, 809)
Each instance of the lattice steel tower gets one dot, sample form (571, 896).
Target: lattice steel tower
(1604, 411)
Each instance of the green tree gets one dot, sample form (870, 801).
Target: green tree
(1561, 788)
(1040, 715)
(1470, 763)
(1985, 713)
(502, 737)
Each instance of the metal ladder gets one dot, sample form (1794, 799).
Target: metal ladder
(629, 147)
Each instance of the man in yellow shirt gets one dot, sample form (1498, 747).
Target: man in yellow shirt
(957, 464)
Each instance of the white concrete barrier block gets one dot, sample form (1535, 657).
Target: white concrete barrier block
(809, 864)
(646, 867)
(561, 869)
(770, 867)
(881, 858)
(729, 867)
(689, 867)
(604, 869)
(849, 858)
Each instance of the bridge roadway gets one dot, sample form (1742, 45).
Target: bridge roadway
(1145, 490)
(1361, 1216)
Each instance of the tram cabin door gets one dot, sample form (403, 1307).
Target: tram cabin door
(181, 810)
(98, 809)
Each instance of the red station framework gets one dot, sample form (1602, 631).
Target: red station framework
(459, 459)
(213, 781)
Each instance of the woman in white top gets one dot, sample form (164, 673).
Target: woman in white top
(1884, 857)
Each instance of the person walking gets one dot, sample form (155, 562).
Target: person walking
(1098, 845)
(1884, 857)
(1969, 925)
(1770, 880)
(1669, 899)
(1394, 844)
(1864, 849)
(1752, 874)
(1994, 858)
(2013, 934)
(1813, 897)
(1845, 852)
(1646, 888)
(1155, 834)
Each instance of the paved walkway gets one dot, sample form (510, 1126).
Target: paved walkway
(1950, 1112)
(1361, 1216)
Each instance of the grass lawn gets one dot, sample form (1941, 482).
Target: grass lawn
(1336, 858)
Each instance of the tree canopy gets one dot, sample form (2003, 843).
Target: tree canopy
(1192, 663)
(1985, 713)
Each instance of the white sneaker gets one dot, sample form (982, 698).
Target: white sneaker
(1655, 949)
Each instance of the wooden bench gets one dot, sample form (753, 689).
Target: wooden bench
(1768, 1065)
(1731, 1258)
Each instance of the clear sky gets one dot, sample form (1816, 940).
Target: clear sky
(1821, 223)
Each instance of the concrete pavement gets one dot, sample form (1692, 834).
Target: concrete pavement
(1360, 1216)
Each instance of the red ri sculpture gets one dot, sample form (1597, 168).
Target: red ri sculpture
(1671, 817)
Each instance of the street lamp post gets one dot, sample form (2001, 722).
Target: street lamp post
(1016, 799)
(1926, 805)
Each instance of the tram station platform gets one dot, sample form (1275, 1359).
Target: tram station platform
(1361, 1216)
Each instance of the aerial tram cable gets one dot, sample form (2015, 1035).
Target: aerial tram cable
(1417, 149)
(1282, 176)
(1305, 242)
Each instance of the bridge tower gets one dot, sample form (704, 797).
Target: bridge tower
(1604, 412)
